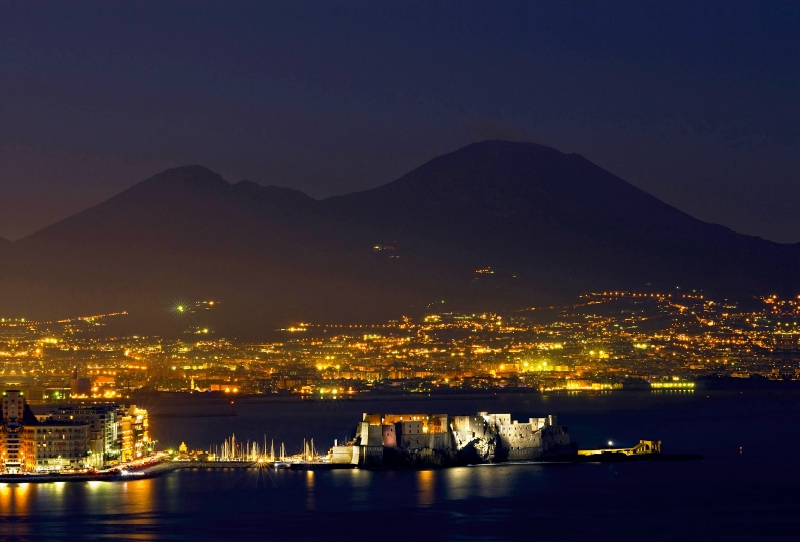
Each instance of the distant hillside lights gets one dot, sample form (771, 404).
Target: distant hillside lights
(659, 296)
(295, 329)
(387, 250)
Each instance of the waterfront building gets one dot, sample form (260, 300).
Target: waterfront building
(14, 410)
(103, 421)
(28, 444)
(54, 446)
(118, 433)
(134, 439)
(70, 437)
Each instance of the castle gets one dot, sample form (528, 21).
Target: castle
(441, 440)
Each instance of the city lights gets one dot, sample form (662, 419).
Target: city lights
(603, 343)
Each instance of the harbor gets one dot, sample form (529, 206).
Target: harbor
(111, 443)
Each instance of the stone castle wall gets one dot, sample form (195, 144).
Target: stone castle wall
(448, 440)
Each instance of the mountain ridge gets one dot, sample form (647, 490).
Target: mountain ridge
(574, 157)
(550, 224)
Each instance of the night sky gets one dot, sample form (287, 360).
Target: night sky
(695, 102)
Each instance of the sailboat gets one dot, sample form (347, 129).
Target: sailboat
(282, 463)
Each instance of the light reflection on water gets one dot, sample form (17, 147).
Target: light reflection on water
(311, 502)
(47, 510)
(425, 488)
(457, 481)
(486, 481)
(230, 504)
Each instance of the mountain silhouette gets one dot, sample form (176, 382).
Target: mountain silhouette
(493, 225)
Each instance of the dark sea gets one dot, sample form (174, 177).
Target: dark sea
(747, 487)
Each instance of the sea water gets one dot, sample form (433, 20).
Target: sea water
(745, 488)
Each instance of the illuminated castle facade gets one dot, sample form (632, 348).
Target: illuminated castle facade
(441, 439)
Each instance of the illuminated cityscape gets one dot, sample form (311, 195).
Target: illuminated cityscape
(605, 341)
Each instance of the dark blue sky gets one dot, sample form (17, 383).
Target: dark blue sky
(696, 102)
